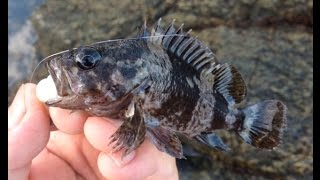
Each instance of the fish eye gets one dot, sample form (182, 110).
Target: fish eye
(87, 58)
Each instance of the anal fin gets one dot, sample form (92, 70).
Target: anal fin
(189, 150)
(212, 141)
(166, 141)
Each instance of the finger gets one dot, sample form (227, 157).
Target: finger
(147, 163)
(47, 163)
(28, 130)
(68, 121)
(98, 132)
(68, 155)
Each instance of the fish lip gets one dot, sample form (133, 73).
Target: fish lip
(53, 101)
(62, 89)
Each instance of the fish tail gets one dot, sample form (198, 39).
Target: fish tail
(263, 124)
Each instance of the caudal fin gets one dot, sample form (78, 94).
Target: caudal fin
(264, 124)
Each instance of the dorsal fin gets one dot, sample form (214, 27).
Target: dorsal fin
(227, 80)
(143, 31)
(180, 44)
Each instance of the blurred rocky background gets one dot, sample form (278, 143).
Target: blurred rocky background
(271, 43)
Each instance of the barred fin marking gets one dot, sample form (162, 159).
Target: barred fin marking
(182, 45)
(177, 39)
(193, 47)
(201, 57)
(195, 56)
(201, 63)
(229, 83)
(167, 39)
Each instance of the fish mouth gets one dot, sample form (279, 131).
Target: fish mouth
(59, 78)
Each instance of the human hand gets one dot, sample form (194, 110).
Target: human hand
(77, 150)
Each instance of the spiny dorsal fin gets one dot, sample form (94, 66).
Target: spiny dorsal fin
(228, 82)
(180, 44)
(143, 31)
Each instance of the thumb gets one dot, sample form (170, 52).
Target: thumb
(28, 131)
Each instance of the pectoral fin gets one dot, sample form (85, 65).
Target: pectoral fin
(130, 134)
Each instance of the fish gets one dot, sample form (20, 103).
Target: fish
(163, 84)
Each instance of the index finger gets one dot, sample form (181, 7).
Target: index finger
(68, 121)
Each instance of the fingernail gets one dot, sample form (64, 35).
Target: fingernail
(17, 108)
(117, 158)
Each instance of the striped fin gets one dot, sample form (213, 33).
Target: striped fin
(181, 45)
(228, 82)
(264, 124)
(184, 47)
(143, 31)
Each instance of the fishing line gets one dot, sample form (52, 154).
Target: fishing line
(46, 59)
(107, 41)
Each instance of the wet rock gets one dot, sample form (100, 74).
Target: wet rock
(244, 12)
(83, 22)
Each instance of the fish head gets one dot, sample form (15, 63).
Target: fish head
(101, 73)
